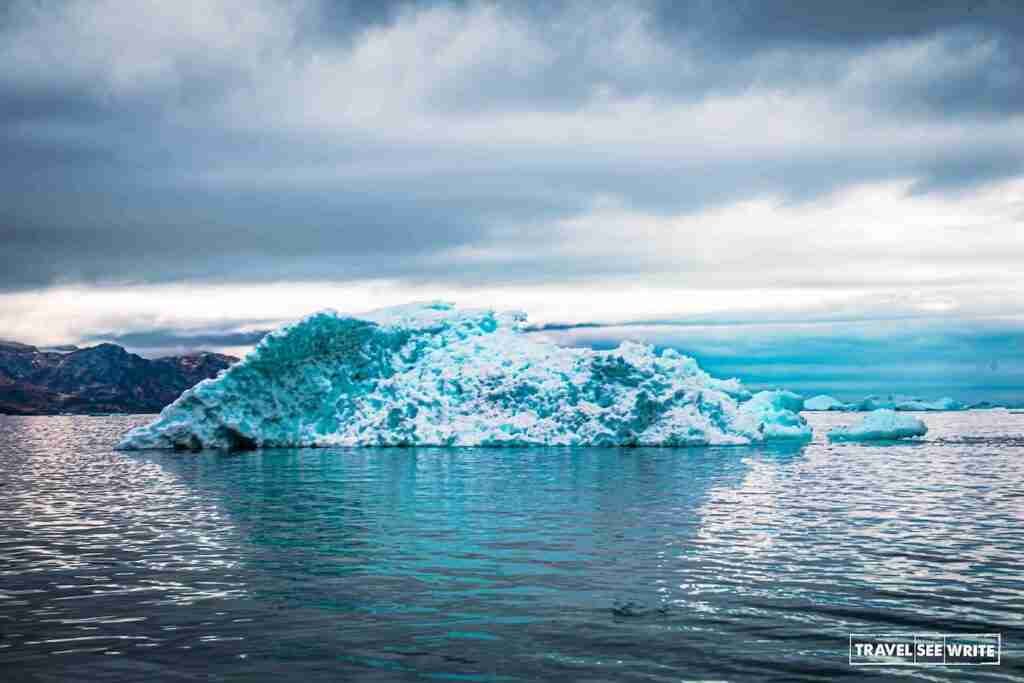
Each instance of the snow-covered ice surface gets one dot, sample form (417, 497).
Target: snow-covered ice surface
(432, 374)
(880, 425)
(824, 402)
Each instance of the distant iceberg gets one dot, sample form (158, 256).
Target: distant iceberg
(945, 403)
(880, 425)
(436, 375)
(824, 402)
(891, 402)
(904, 403)
(986, 405)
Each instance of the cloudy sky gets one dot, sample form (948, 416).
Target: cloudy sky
(807, 194)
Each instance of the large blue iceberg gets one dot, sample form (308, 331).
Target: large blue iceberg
(436, 375)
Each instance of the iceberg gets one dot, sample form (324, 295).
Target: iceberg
(433, 374)
(985, 405)
(824, 402)
(774, 414)
(903, 403)
(945, 403)
(880, 425)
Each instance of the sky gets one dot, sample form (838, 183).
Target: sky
(822, 196)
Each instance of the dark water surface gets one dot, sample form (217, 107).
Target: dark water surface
(511, 565)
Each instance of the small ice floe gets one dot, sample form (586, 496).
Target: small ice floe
(880, 425)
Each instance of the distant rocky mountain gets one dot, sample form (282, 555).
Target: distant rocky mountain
(97, 379)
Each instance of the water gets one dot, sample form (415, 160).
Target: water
(519, 565)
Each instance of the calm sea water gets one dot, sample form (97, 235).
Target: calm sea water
(506, 565)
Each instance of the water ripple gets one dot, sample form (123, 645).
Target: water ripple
(537, 564)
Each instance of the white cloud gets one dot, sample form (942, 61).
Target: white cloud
(864, 237)
(143, 47)
(867, 251)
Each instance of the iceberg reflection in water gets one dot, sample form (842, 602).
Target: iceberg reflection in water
(738, 563)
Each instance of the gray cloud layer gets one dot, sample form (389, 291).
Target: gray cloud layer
(264, 140)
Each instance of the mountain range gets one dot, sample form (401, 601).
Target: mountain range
(98, 379)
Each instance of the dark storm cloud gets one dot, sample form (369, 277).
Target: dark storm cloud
(144, 234)
(788, 45)
(759, 24)
(160, 175)
(963, 173)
